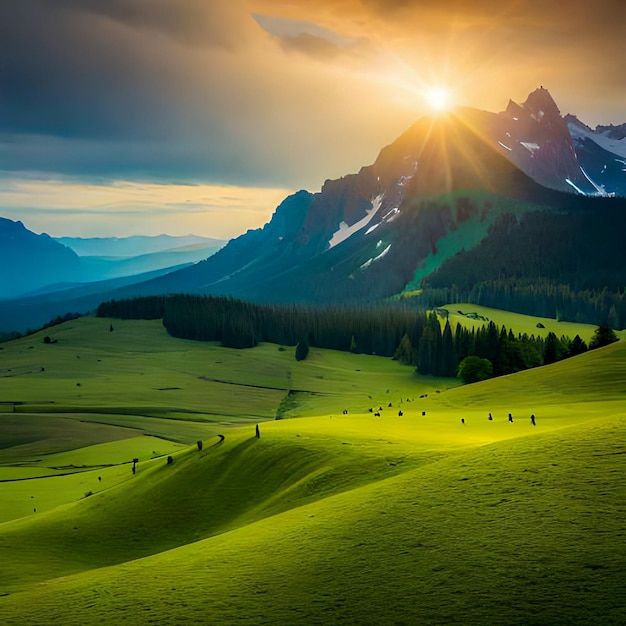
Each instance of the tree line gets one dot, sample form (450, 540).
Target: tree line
(539, 298)
(413, 337)
(564, 264)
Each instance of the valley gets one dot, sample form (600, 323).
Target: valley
(328, 515)
(402, 400)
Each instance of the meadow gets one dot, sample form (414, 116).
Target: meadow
(461, 314)
(333, 515)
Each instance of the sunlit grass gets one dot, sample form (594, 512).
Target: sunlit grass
(328, 518)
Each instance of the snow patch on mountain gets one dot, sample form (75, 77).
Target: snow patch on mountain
(600, 190)
(579, 131)
(530, 146)
(391, 212)
(578, 189)
(622, 162)
(376, 258)
(344, 231)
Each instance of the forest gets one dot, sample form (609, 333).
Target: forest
(415, 337)
(564, 265)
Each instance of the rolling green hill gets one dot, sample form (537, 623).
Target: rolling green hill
(519, 323)
(328, 517)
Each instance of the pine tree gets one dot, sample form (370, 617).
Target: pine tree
(577, 346)
(553, 350)
(302, 349)
(354, 348)
(449, 353)
(602, 336)
(404, 351)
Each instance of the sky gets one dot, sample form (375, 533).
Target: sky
(122, 117)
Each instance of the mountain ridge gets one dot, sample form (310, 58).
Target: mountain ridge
(436, 192)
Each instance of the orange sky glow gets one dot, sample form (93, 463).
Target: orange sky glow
(169, 106)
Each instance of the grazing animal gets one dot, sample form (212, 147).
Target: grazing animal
(389, 404)
(377, 414)
(371, 410)
(400, 413)
(423, 412)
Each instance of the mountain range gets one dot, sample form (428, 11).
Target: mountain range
(35, 264)
(461, 202)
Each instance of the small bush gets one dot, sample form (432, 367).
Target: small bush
(473, 369)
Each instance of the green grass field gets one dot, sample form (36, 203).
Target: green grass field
(328, 517)
(520, 323)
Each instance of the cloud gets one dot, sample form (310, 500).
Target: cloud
(189, 22)
(200, 91)
(70, 207)
(110, 92)
(314, 40)
(288, 29)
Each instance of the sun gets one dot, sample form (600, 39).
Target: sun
(438, 98)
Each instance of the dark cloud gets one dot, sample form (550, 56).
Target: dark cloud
(197, 90)
(85, 94)
(111, 89)
(67, 74)
(191, 22)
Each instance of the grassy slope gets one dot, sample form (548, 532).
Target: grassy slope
(133, 370)
(468, 232)
(520, 531)
(418, 519)
(521, 323)
(139, 369)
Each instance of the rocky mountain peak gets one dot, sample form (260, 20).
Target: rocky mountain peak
(542, 106)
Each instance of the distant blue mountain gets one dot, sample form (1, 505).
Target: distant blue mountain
(133, 246)
(30, 261)
(36, 264)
